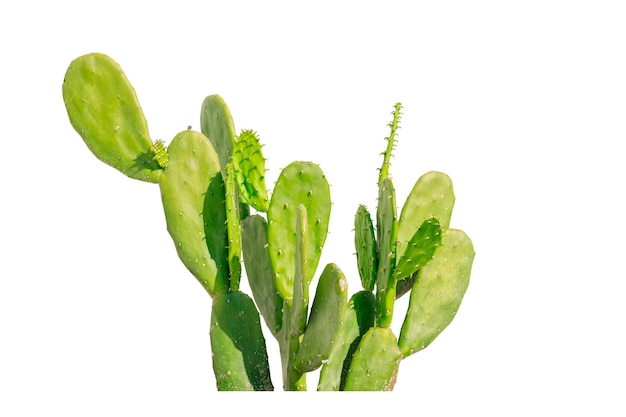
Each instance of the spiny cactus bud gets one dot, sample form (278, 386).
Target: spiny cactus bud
(160, 153)
(249, 168)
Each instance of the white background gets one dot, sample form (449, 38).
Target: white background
(522, 103)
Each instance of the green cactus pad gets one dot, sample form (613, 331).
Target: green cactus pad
(329, 305)
(375, 363)
(420, 250)
(386, 230)
(365, 244)
(103, 108)
(431, 196)
(193, 197)
(299, 183)
(355, 322)
(240, 361)
(259, 271)
(300, 304)
(233, 227)
(293, 380)
(249, 166)
(437, 292)
(216, 123)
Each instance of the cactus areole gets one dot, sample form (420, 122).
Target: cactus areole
(210, 181)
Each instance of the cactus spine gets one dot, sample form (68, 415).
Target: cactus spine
(208, 181)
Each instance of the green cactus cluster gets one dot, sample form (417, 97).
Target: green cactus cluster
(220, 215)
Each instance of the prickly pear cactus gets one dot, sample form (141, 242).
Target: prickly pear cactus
(209, 180)
(417, 253)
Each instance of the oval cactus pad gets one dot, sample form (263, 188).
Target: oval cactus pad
(365, 245)
(322, 331)
(240, 361)
(437, 292)
(375, 363)
(431, 196)
(103, 108)
(193, 195)
(299, 183)
(216, 123)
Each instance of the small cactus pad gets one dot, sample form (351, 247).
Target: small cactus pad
(193, 197)
(233, 228)
(259, 271)
(375, 363)
(437, 292)
(249, 166)
(431, 196)
(104, 110)
(300, 303)
(355, 322)
(240, 361)
(216, 123)
(293, 380)
(386, 227)
(365, 244)
(299, 183)
(327, 311)
(420, 249)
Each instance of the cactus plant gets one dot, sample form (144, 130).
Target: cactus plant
(416, 253)
(211, 180)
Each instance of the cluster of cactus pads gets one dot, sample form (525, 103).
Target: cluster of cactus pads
(220, 214)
